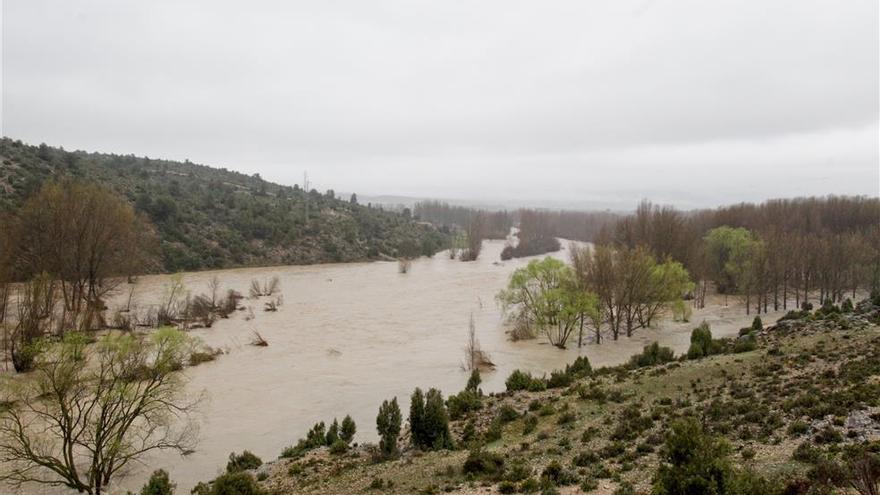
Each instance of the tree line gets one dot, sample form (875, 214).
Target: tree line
(771, 254)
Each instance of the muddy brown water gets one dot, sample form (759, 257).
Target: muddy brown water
(349, 336)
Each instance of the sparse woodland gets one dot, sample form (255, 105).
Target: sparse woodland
(216, 218)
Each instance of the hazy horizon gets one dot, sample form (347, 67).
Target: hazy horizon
(508, 103)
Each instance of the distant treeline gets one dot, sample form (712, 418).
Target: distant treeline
(575, 225)
(495, 224)
(769, 253)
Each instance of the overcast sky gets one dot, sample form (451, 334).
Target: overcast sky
(689, 102)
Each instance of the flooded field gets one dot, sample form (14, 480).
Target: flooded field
(350, 335)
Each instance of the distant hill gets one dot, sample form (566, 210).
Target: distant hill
(216, 218)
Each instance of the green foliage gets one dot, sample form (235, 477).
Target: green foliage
(545, 294)
(388, 425)
(757, 324)
(243, 462)
(745, 343)
(727, 250)
(530, 422)
(559, 379)
(652, 355)
(429, 421)
(158, 484)
(462, 403)
(702, 344)
(332, 433)
(473, 383)
(483, 463)
(346, 433)
(338, 447)
(520, 380)
(580, 368)
(507, 413)
(317, 436)
(556, 474)
(494, 431)
(231, 483)
(693, 462)
(794, 315)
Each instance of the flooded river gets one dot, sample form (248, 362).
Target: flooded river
(350, 335)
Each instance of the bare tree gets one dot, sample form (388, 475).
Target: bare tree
(403, 265)
(89, 412)
(267, 288)
(35, 307)
(86, 237)
(475, 234)
(475, 357)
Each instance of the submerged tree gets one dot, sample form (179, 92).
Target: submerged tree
(546, 294)
(87, 413)
(83, 235)
(475, 233)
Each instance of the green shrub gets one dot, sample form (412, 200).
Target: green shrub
(237, 483)
(518, 471)
(158, 484)
(745, 344)
(530, 485)
(847, 306)
(429, 421)
(519, 380)
(507, 413)
(243, 462)
(807, 453)
(559, 379)
(757, 324)
(473, 383)
(652, 355)
(556, 474)
(585, 458)
(338, 447)
(469, 433)
(348, 429)
(579, 368)
(332, 433)
(388, 425)
(316, 437)
(701, 341)
(797, 428)
(693, 462)
(507, 487)
(483, 463)
(493, 433)
(625, 488)
(462, 403)
(530, 422)
(794, 315)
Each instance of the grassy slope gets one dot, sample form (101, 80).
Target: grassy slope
(216, 218)
(750, 398)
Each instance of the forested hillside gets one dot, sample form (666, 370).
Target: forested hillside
(214, 218)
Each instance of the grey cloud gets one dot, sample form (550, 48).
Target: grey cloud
(550, 101)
